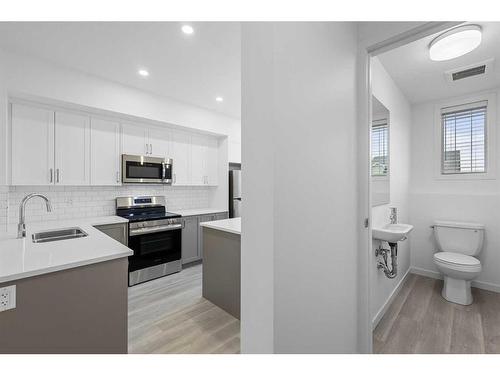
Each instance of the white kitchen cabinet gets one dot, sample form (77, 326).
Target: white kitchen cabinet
(32, 130)
(212, 161)
(204, 151)
(181, 155)
(104, 152)
(159, 142)
(135, 140)
(53, 146)
(146, 140)
(72, 149)
(198, 160)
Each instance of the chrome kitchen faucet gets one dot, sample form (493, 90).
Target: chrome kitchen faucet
(21, 227)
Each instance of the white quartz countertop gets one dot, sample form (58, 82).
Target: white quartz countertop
(199, 211)
(21, 258)
(226, 225)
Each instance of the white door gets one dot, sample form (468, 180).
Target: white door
(198, 160)
(32, 145)
(212, 161)
(104, 152)
(159, 142)
(181, 154)
(72, 149)
(134, 140)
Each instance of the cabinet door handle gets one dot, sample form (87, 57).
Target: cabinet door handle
(151, 148)
(147, 149)
(51, 175)
(57, 175)
(175, 178)
(117, 176)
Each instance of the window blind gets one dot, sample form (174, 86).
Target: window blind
(464, 139)
(380, 148)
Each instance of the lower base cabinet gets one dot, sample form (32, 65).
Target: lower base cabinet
(190, 239)
(192, 243)
(82, 310)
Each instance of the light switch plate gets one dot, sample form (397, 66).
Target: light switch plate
(8, 298)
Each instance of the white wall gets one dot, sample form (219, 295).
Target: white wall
(386, 91)
(310, 119)
(31, 77)
(257, 237)
(463, 200)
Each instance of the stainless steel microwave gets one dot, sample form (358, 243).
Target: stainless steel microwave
(138, 169)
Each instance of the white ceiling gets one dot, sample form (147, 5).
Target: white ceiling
(191, 68)
(422, 79)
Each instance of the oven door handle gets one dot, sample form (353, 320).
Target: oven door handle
(161, 228)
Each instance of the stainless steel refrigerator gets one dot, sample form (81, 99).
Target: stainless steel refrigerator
(235, 193)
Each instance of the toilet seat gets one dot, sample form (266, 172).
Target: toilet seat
(456, 259)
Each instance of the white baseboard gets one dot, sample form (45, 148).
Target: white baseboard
(427, 273)
(436, 275)
(387, 303)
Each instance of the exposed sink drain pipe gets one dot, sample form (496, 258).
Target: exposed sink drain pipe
(390, 271)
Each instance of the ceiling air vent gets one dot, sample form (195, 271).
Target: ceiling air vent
(479, 69)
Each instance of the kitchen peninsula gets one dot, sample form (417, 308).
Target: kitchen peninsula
(222, 263)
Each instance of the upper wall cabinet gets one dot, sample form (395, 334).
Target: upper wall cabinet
(134, 140)
(49, 147)
(181, 155)
(204, 160)
(146, 140)
(159, 142)
(32, 145)
(212, 161)
(104, 152)
(72, 149)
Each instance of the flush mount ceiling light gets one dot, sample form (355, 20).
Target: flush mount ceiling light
(187, 29)
(143, 72)
(219, 99)
(455, 42)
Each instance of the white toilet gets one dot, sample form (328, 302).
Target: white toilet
(459, 243)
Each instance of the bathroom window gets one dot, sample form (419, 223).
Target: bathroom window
(380, 148)
(463, 139)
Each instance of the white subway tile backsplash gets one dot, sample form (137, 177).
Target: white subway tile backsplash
(70, 202)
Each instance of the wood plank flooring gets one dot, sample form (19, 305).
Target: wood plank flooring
(419, 320)
(169, 315)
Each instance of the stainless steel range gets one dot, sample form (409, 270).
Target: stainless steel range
(155, 236)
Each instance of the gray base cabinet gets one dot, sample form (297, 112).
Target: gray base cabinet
(192, 243)
(81, 310)
(190, 239)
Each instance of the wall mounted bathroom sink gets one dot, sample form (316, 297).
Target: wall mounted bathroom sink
(392, 232)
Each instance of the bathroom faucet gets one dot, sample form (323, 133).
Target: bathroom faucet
(21, 227)
(394, 215)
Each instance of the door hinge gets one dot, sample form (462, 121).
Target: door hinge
(367, 222)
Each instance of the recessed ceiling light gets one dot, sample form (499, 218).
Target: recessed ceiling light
(455, 42)
(219, 99)
(187, 29)
(143, 72)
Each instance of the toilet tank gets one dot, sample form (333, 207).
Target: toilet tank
(456, 237)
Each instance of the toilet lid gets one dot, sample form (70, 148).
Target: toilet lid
(456, 258)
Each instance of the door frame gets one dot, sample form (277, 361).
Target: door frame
(365, 268)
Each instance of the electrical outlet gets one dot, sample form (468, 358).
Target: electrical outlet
(8, 298)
